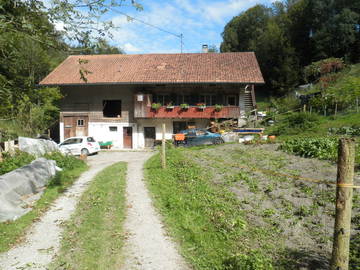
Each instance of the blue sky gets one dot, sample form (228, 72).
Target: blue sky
(200, 22)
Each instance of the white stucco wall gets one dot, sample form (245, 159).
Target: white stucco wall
(101, 132)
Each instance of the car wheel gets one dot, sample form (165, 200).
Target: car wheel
(84, 152)
(218, 141)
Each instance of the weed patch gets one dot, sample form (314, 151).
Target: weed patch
(12, 162)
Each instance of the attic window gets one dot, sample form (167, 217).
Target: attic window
(112, 108)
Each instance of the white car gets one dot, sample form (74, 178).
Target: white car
(79, 145)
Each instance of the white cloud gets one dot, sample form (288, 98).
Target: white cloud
(128, 47)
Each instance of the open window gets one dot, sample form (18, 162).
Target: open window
(112, 108)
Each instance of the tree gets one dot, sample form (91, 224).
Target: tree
(100, 47)
(294, 33)
(262, 30)
(78, 18)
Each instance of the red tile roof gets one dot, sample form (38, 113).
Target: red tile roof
(238, 67)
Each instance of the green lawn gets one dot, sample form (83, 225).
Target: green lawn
(205, 218)
(93, 237)
(12, 231)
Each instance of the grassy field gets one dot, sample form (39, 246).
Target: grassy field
(228, 217)
(205, 218)
(93, 237)
(11, 232)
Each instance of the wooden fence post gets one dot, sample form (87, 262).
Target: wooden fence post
(163, 148)
(344, 192)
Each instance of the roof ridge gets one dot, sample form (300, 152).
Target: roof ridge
(120, 54)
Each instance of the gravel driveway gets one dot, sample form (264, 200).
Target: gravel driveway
(146, 247)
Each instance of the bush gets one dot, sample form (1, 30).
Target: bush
(351, 131)
(285, 104)
(322, 148)
(66, 162)
(12, 162)
(296, 123)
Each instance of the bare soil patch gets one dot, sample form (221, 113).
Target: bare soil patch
(298, 213)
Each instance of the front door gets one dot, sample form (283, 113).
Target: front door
(149, 134)
(127, 137)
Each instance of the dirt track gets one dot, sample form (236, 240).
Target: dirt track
(147, 246)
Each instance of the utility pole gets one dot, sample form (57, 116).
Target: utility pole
(181, 43)
(344, 193)
(163, 148)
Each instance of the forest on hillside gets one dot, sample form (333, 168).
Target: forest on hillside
(291, 34)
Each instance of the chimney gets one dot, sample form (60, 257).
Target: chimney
(205, 48)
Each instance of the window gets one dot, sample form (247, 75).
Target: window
(80, 122)
(207, 99)
(181, 99)
(112, 108)
(201, 132)
(231, 100)
(113, 129)
(72, 141)
(90, 139)
(163, 99)
(178, 126)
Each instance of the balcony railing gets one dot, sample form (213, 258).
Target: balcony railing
(191, 112)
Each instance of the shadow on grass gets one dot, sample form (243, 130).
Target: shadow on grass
(305, 260)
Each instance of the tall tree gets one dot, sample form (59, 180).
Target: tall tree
(294, 33)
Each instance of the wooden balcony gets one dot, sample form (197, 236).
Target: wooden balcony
(192, 112)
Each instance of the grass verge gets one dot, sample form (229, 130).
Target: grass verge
(11, 232)
(205, 218)
(93, 237)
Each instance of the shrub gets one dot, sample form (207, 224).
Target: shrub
(295, 123)
(12, 162)
(351, 131)
(285, 104)
(66, 162)
(322, 148)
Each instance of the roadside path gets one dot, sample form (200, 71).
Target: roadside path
(146, 247)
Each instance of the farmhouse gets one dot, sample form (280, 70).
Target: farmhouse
(126, 98)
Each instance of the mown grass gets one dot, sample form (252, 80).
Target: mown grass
(93, 237)
(205, 218)
(11, 232)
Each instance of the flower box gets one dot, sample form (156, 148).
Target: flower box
(155, 106)
(184, 106)
(201, 106)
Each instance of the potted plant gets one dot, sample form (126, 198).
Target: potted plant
(218, 107)
(184, 106)
(201, 106)
(155, 106)
(169, 106)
